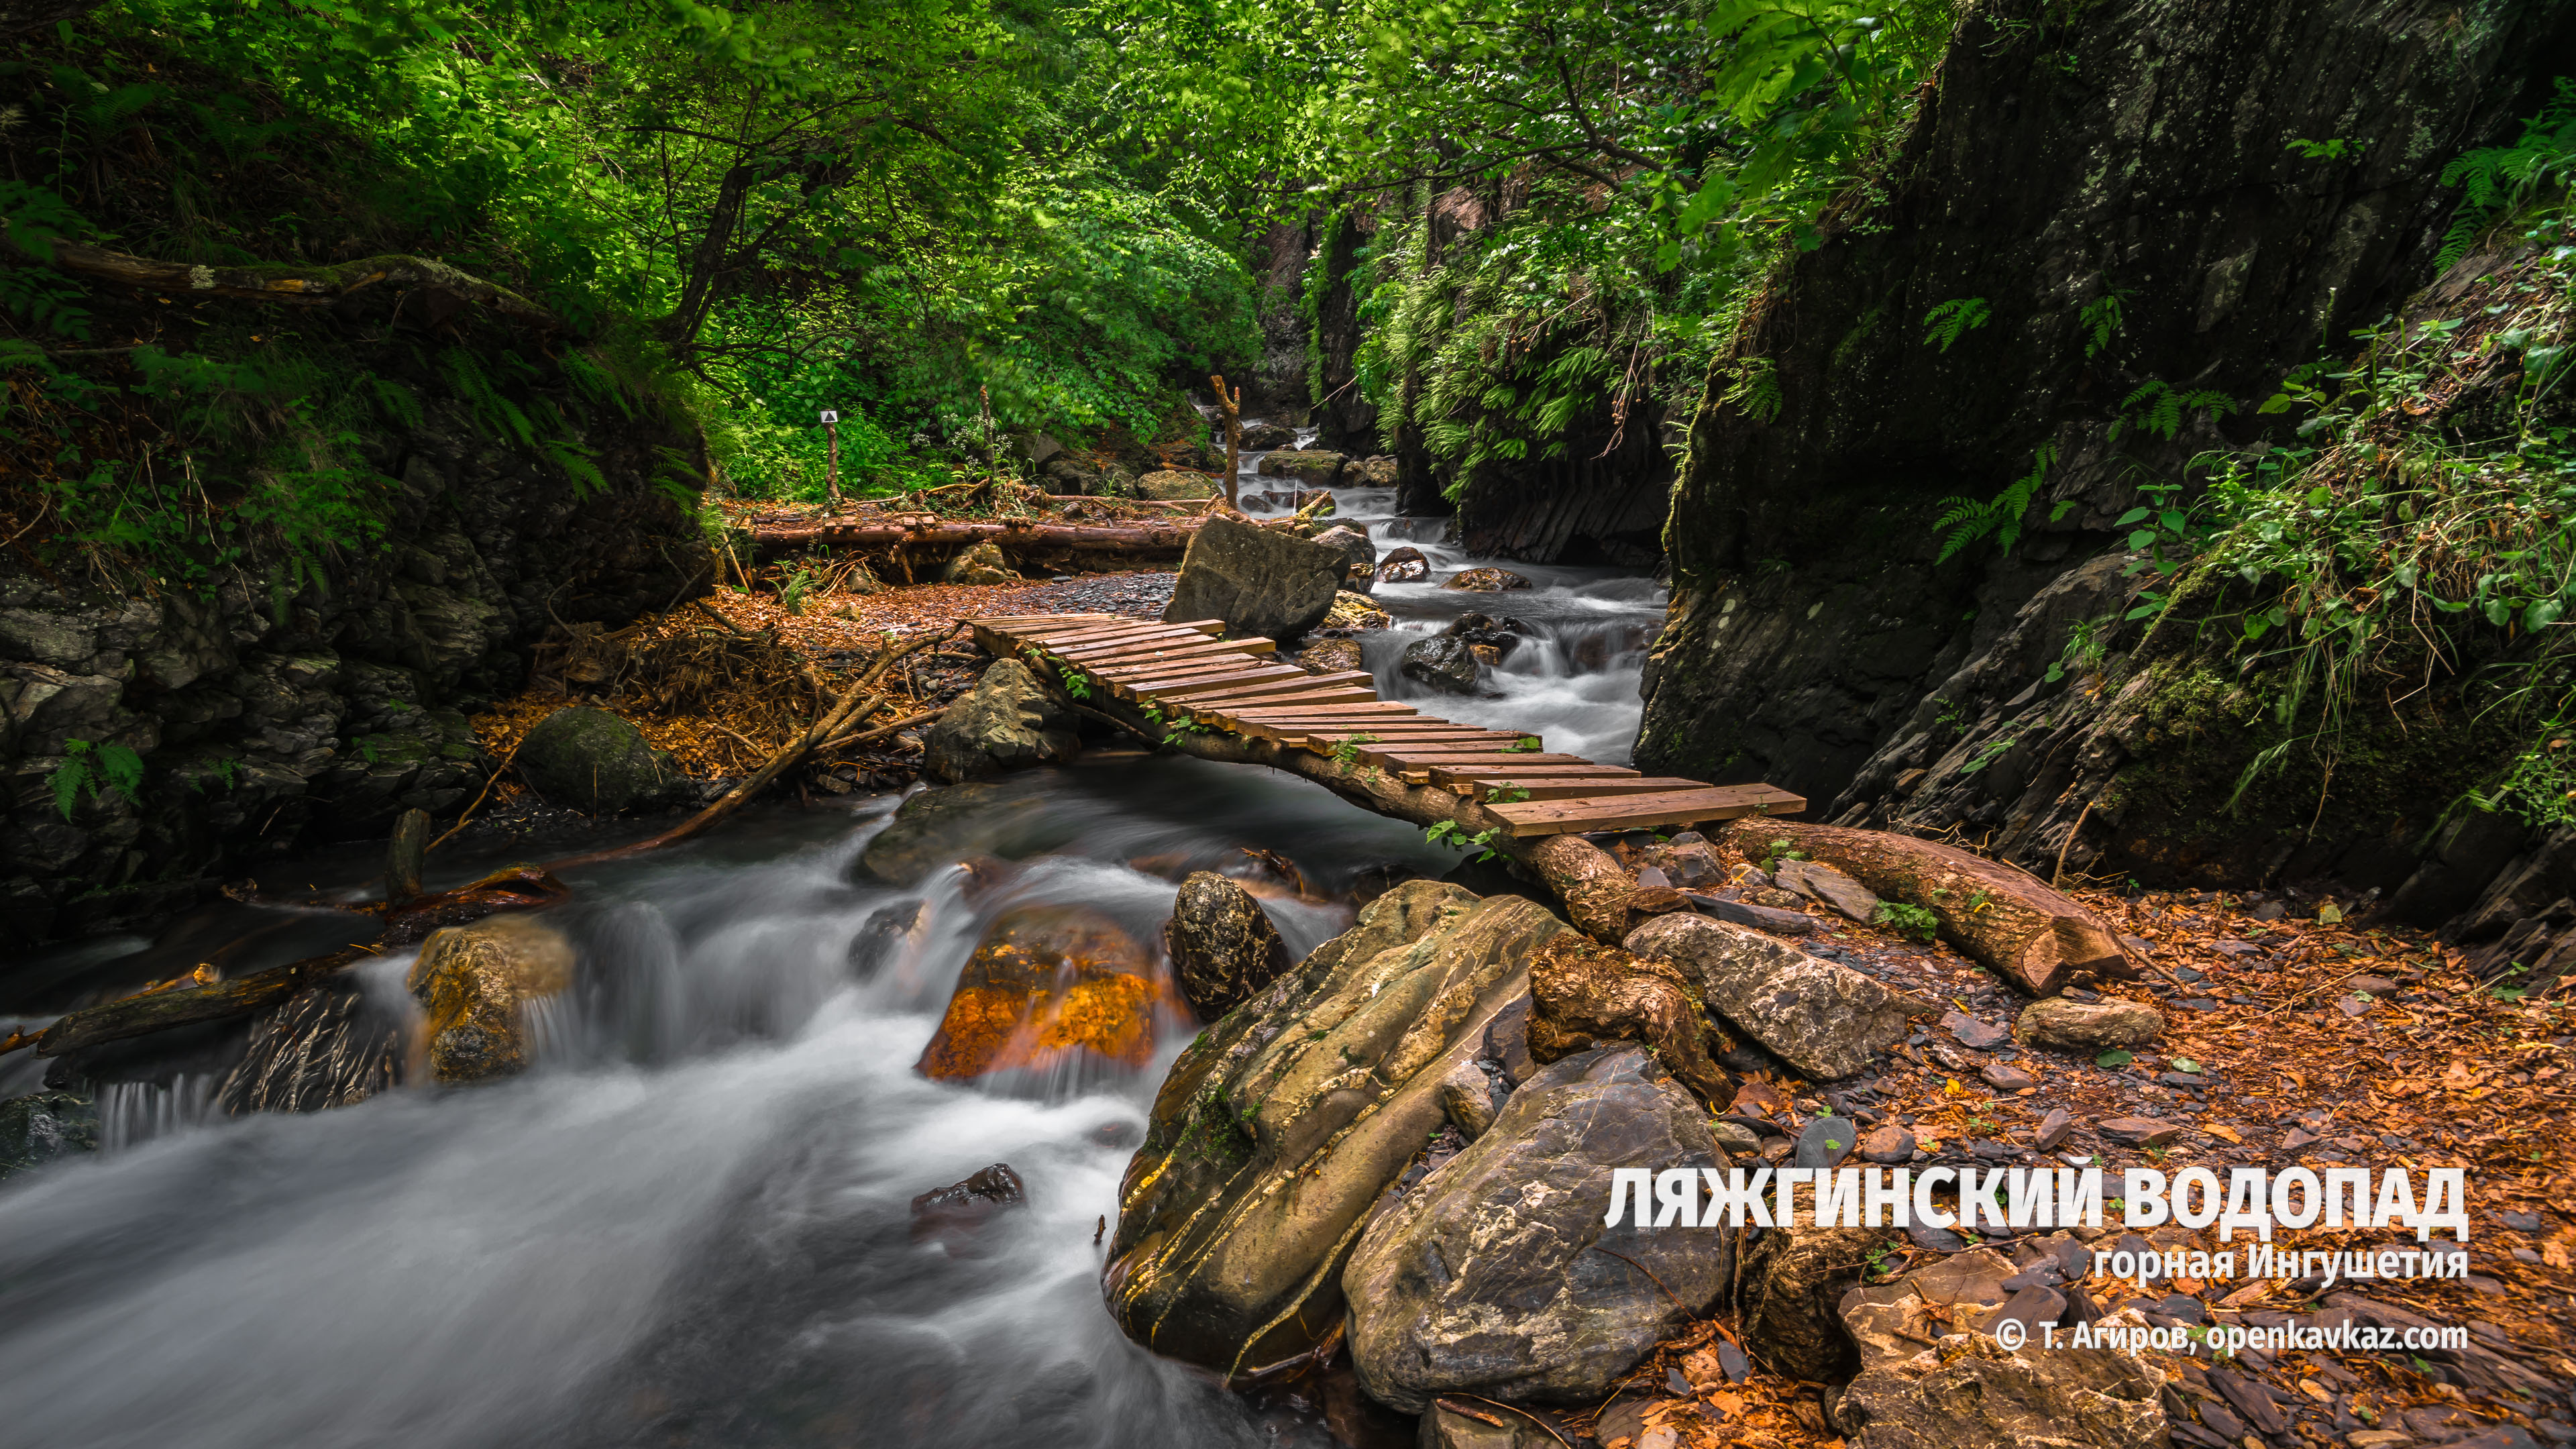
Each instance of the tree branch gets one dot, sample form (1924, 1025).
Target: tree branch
(304, 286)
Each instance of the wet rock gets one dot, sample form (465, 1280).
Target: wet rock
(592, 761)
(1355, 611)
(1047, 987)
(1403, 566)
(1735, 1138)
(1007, 721)
(44, 1127)
(955, 1212)
(1378, 472)
(1467, 1096)
(1223, 946)
(885, 934)
(473, 982)
(2088, 1026)
(1313, 467)
(2139, 1131)
(1822, 1018)
(982, 564)
(1331, 656)
(1358, 554)
(1744, 913)
(943, 826)
(1264, 437)
(1376, 880)
(1688, 864)
(1281, 1125)
(1829, 887)
(1496, 1276)
(1485, 581)
(1172, 485)
(1258, 580)
(1792, 1289)
(1443, 661)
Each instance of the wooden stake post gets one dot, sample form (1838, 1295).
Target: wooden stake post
(1231, 403)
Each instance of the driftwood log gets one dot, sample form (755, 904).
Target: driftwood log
(297, 285)
(2000, 916)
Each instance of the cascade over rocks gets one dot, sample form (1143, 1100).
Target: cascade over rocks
(473, 982)
(1222, 945)
(1048, 986)
(597, 763)
(1284, 1122)
(1260, 581)
(1494, 1276)
(1007, 721)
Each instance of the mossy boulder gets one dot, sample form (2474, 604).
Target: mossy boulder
(940, 827)
(1282, 1125)
(474, 983)
(595, 762)
(1173, 485)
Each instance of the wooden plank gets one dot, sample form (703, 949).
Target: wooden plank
(1347, 694)
(1231, 675)
(1103, 633)
(1425, 757)
(1400, 755)
(1372, 709)
(1232, 694)
(1578, 789)
(1138, 662)
(1634, 812)
(1486, 774)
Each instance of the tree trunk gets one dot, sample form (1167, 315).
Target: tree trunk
(2002, 917)
(303, 286)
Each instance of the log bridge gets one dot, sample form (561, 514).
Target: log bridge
(1188, 672)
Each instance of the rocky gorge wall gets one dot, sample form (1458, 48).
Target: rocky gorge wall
(2120, 192)
(267, 719)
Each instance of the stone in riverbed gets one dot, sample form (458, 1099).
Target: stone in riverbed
(2089, 1026)
(1984, 1036)
(2139, 1131)
(2005, 1078)
(956, 1212)
(1007, 721)
(1265, 437)
(1485, 581)
(1355, 611)
(1377, 472)
(43, 1126)
(1827, 886)
(1223, 946)
(2054, 1128)
(1358, 554)
(1443, 661)
(1330, 656)
(1889, 1143)
(1313, 467)
(1403, 566)
(473, 983)
(1820, 1017)
(1048, 987)
(1496, 1276)
(944, 826)
(1282, 1125)
(1260, 581)
(597, 763)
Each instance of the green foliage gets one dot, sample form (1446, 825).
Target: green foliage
(1447, 832)
(1953, 319)
(1906, 920)
(2496, 180)
(2157, 408)
(1347, 752)
(93, 767)
(1964, 521)
(1505, 793)
(2101, 320)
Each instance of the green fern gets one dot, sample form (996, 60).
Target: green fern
(2498, 178)
(397, 400)
(1963, 521)
(1953, 319)
(497, 414)
(2156, 407)
(578, 464)
(2102, 319)
(1756, 389)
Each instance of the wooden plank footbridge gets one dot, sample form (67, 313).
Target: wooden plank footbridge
(1186, 671)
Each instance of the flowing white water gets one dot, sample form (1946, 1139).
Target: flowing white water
(688, 1224)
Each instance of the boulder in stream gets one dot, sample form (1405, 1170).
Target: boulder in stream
(1312, 467)
(1007, 721)
(1443, 661)
(1378, 472)
(1222, 944)
(944, 826)
(595, 762)
(1283, 1123)
(955, 1213)
(1048, 987)
(474, 984)
(1404, 565)
(1485, 581)
(1265, 437)
(42, 1127)
(1260, 581)
(1175, 485)
(1495, 1276)
(1357, 552)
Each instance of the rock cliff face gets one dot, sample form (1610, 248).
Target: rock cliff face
(2121, 200)
(269, 715)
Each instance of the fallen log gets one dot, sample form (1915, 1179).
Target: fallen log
(298, 284)
(1126, 540)
(2002, 917)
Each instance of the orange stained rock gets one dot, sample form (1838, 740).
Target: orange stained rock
(1047, 985)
